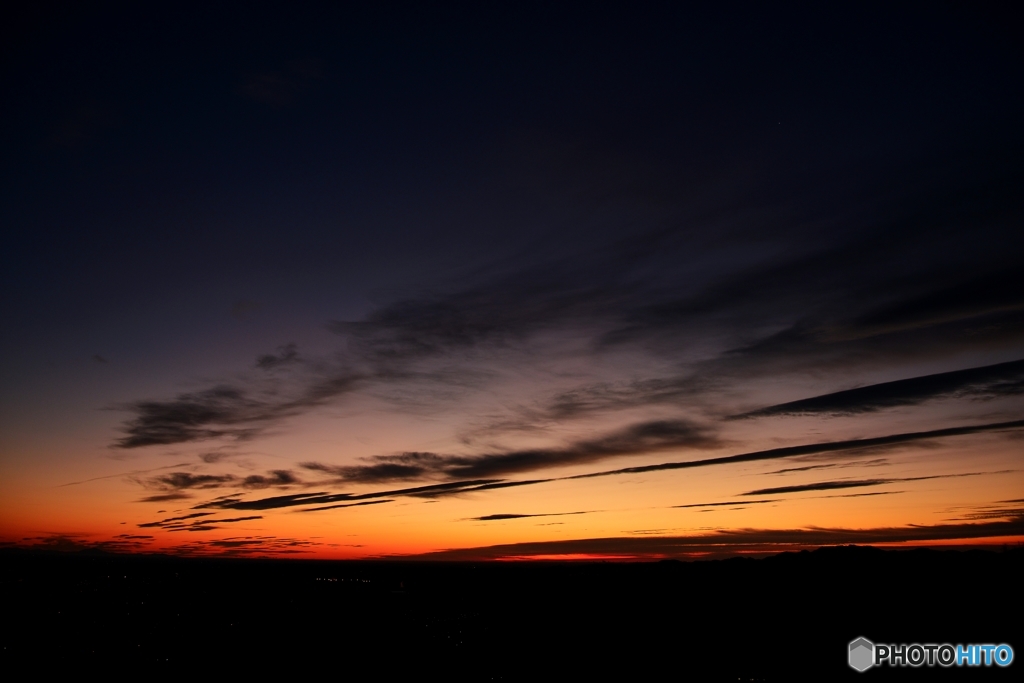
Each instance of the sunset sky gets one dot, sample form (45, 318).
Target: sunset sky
(513, 281)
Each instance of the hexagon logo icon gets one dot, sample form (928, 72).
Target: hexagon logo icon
(862, 654)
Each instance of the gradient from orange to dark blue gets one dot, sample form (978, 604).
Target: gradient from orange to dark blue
(513, 282)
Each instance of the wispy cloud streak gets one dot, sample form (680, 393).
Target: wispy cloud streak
(641, 438)
(809, 449)
(227, 411)
(737, 541)
(856, 483)
(500, 517)
(1003, 379)
(463, 487)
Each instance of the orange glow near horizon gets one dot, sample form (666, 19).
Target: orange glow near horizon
(639, 513)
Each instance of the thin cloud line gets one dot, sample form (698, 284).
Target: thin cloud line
(123, 474)
(461, 487)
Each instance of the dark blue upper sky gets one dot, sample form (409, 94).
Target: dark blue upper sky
(149, 148)
(756, 189)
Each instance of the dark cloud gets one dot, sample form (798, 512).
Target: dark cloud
(601, 397)
(214, 456)
(348, 505)
(246, 546)
(816, 448)
(848, 459)
(729, 502)
(216, 412)
(234, 519)
(729, 542)
(504, 516)
(463, 487)
(321, 498)
(165, 497)
(164, 522)
(804, 346)
(285, 355)
(780, 500)
(1001, 290)
(764, 290)
(176, 485)
(76, 543)
(854, 483)
(863, 495)
(400, 467)
(189, 523)
(1005, 509)
(261, 544)
(487, 487)
(833, 465)
(637, 439)
(275, 478)
(820, 486)
(233, 503)
(187, 480)
(500, 311)
(226, 411)
(985, 382)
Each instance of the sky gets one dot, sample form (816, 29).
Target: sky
(513, 281)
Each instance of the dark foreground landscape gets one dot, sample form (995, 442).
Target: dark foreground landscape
(771, 619)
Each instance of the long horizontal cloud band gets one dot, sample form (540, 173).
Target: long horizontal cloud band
(810, 449)
(1002, 379)
(641, 438)
(469, 486)
(856, 483)
(741, 540)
